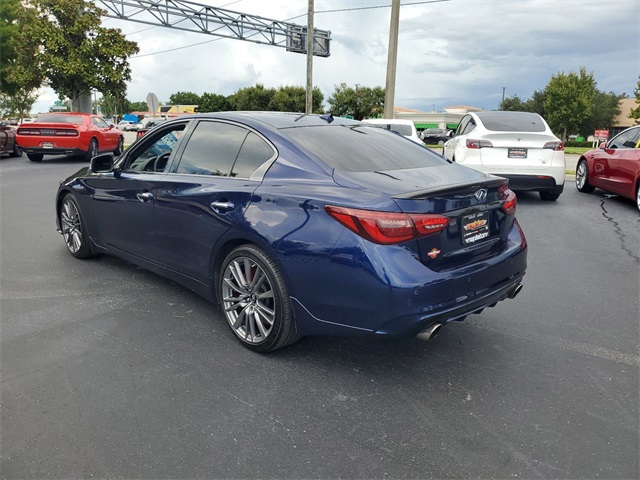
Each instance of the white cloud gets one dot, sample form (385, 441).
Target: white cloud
(455, 52)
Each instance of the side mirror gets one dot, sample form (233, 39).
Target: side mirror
(603, 145)
(101, 163)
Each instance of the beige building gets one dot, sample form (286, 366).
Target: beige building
(447, 119)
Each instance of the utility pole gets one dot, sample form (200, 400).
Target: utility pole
(392, 58)
(309, 103)
(503, 89)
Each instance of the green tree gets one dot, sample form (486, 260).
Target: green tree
(212, 102)
(605, 108)
(294, 99)
(513, 104)
(635, 113)
(20, 73)
(569, 100)
(78, 55)
(184, 98)
(256, 98)
(536, 103)
(359, 103)
(138, 107)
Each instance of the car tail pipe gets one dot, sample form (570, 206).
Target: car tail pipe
(430, 332)
(515, 291)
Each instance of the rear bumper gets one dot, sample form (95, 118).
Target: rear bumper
(54, 151)
(538, 183)
(396, 295)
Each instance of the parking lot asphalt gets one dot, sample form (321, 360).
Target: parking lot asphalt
(108, 370)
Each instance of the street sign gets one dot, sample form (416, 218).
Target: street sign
(601, 134)
(152, 102)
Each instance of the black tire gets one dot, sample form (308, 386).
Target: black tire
(16, 152)
(35, 157)
(582, 177)
(549, 196)
(252, 293)
(638, 196)
(119, 149)
(93, 150)
(73, 228)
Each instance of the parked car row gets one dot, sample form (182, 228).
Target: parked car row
(8, 143)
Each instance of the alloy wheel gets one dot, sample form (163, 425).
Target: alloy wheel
(71, 226)
(581, 175)
(248, 300)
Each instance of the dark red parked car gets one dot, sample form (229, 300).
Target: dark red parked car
(8, 142)
(69, 134)
(614, 167)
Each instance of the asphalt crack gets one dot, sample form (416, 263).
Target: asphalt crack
(617, 229)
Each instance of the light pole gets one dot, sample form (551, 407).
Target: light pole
(389, 92)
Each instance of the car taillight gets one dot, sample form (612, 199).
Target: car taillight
(523, 243)
(26, 131)
(68, 133)
(387, 228)
(509, 200)
(478, 143)
(556, 146)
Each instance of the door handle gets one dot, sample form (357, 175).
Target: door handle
(145, 196)
(222, 207)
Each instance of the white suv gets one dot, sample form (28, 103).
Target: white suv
(516, 145)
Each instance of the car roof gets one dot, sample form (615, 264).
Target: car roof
(397, 121)
(276, 120)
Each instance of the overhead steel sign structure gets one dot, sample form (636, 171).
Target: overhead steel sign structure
(195, 17)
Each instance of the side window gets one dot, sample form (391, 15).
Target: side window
(254, 152)
(462, 125)
(154, 157)
(627, 139)
(212, 149)
(469, 127)
(98, 122)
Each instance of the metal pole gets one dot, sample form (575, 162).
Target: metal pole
(392, 58)
(309, 99)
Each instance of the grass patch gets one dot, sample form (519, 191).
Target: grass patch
(576, 150)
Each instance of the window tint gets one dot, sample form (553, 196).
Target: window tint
(362, 148)
(154, 155)
(512, 121)
(469, 126)
(627, 139)
(72, 119)
(98, 122)
(212, 149)
(463, 125)
(254, 152)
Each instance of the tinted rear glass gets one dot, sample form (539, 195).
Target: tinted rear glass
(512, 122)
(72, 119)
(363, 148)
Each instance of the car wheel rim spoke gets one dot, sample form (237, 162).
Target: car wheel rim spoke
(71, 227)
(248, 300)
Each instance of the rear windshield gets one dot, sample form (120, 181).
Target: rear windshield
(363, 148)
(73, 119)
(512, 122)
(434, 131)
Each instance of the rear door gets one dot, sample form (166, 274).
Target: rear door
(208, 189)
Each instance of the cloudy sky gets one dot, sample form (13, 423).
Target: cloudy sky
(450, 52)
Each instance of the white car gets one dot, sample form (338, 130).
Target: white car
(517, 145)
(406, 128)
(127, 126)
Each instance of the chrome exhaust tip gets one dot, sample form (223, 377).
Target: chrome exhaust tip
(515, 291)
(430, 332)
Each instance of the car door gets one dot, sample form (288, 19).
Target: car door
(124, 200)
(612, 166)
(457, 146)
(107, 138)
(210, 185)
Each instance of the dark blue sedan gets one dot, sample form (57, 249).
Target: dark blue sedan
(302, 225)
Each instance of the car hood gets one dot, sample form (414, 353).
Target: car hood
(413, 181)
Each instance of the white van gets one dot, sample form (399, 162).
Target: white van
(406, 128)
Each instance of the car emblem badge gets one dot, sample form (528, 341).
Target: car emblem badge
(433, 253)
(481, 194)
